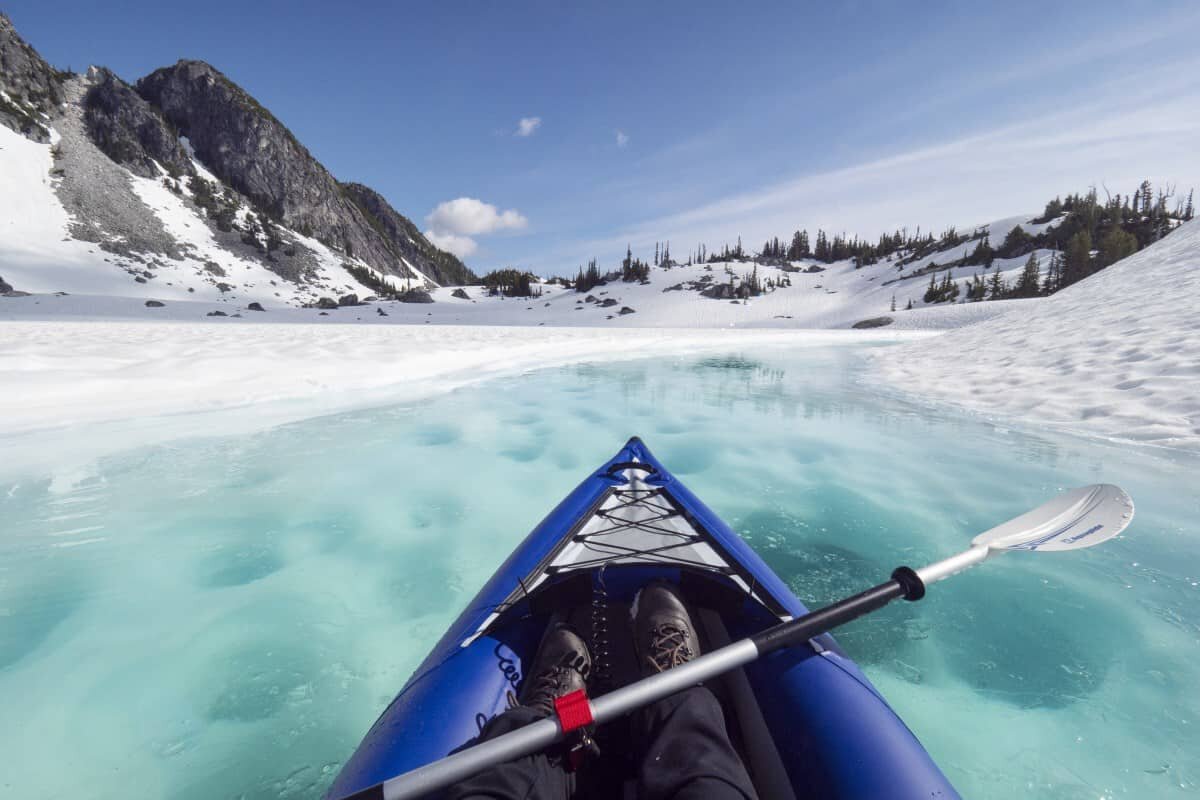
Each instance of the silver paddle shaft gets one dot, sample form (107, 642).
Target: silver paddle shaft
(543, 733)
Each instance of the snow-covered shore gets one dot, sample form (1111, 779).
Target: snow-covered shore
(63, 373)
(1116, 356)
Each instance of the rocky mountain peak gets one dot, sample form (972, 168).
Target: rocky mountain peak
(31, 87)
(129, 130)
(248, 148)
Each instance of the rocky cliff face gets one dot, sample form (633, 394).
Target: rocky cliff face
(406, 239)
(31, 87)
(130, 131)
(245, 146)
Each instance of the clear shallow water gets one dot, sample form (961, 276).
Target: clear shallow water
(224, 618)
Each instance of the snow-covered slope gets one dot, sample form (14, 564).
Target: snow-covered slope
(1117, 355)
(40, 254)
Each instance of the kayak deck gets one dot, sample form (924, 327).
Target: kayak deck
(806, 721)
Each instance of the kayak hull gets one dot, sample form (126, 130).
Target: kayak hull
(825, 725)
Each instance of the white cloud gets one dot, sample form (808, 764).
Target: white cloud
(527, 125)
(461, 246)
(454, 222)
(466, 215)
(622, 139)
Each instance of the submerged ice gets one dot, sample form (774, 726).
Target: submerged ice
(225, 617)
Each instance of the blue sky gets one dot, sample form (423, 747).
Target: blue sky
(683, 121)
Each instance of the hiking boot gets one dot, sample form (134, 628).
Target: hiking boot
(663, 632)
(561, 666)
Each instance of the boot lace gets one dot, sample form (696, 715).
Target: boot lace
(669, 647)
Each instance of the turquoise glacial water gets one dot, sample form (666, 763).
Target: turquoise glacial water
(224, 617)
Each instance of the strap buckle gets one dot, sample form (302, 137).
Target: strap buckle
(574, 713)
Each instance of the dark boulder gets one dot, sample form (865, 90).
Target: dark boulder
(327, 303)
(5, 286)
(608, 303)
(348, 300)
(626, 310)
(415, 296)
(719, 291)
(255, 307)
(873, 322)
(154, 304)
(461, 294)
(216, 314)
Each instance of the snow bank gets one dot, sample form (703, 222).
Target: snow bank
(68, 374)
(1117, 355)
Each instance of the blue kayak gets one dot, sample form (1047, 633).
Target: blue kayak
(806, 721)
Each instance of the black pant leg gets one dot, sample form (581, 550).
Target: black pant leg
(535, 777)
(686, 752)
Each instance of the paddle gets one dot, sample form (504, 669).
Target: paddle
(1075, 519)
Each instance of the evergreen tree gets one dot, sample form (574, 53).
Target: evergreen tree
(1188, 211)
(932, 295)
(1115, 245)
(893, 302)
(1147, 192)
(1027, 283)
(909, 306)
(1016, 243)
(996, 288)
(1077, 261)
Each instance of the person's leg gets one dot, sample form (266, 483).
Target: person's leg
(686, 752)
(684, 748)
(539, 776)
(561, 666)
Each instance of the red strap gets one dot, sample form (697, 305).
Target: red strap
(573, 710)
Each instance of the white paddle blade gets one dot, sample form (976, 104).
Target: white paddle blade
(1075, 519)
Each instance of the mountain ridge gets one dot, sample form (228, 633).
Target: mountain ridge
(232, 163)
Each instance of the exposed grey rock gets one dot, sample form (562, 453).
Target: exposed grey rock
(15, 293)
(381, 312)
(216, 314)
(255, 307)
(348, 300)
(608, 303)
(214, 268)
(327, 302)
(406, 239)
(415, 296)
(154, 304)
(130, 131)
(5, 286)
(97, 193)
(35, 88)
(815, 268)
(719, 291)
(590, 299)
(626, 310)
(461, 294)
(873, 322)
(245, 146)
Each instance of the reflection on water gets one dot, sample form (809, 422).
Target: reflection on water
(225, 617)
